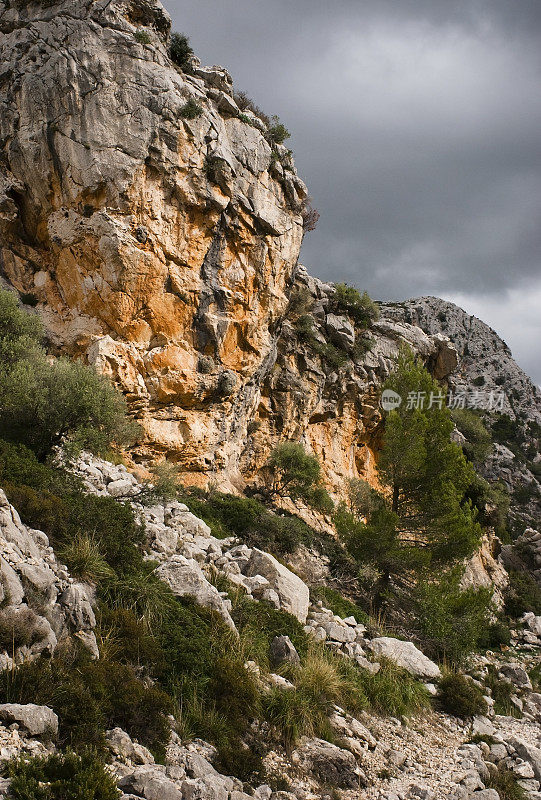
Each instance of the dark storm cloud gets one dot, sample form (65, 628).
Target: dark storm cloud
(416, 126)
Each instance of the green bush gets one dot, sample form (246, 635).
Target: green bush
(191, 109)
(453, 622)
(320, 684)
(459, 696)
(393, 691)
(245, 103)
(501, 691)
(523, 594)
(504, 781)
(478, 443)
(45, 404)
(259, 622)
(535, 677)
(142, 37)
(346, 299)
(525, 493)
(91, 697)
(497, 635)
(296, 474)
(106, 522)
(180, 51)
(62, 776)
(84, 559)
(331, 355)
(20, 626)
(277, 131)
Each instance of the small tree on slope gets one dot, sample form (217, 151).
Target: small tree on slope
(422, 520)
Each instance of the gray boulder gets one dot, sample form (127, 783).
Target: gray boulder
(516, 674)
(406, 655)
(151, 783)
(120, 743)
(330, 764)
(210, 787)
(36, 720)
(293, 593)
(528, 753)
(186, 579)
(339, 633)
(78, 607)
(282, 651)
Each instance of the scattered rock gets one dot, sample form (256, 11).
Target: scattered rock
(282, 651)
(406, 655)
(37, 720)
(293, 593)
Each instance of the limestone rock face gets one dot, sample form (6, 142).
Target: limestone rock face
(485, 568)
(159, 248)
(163, 250)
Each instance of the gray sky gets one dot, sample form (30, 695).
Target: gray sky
(416, 125)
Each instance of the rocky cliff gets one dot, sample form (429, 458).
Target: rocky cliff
(162, 246)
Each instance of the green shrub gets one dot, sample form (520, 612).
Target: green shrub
(142, 37)
(84, 559)
(304, 711)
(523, 594)
(127, 639)
(259, 622)
(110, 525)
(20, 626)
(459, 696)
(62, 776)
(277, 132)
(91, 697)
(45, 404)
(452, 621)
(293, 472)
(497, 635)
(304, 328)
(501, 691)
(331, 355)
(393, 691)
(478, 439)
(21, 334)
(140, 591)
(191, 109)
(245, 103)
(504, 781)
(180, 51)
(525, 493)
(346, 299)
(535, 677)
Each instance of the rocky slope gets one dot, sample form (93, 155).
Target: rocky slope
(430, 756)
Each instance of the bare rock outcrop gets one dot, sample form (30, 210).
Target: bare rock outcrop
(41, 602)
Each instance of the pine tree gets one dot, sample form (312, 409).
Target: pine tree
(422, 520)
